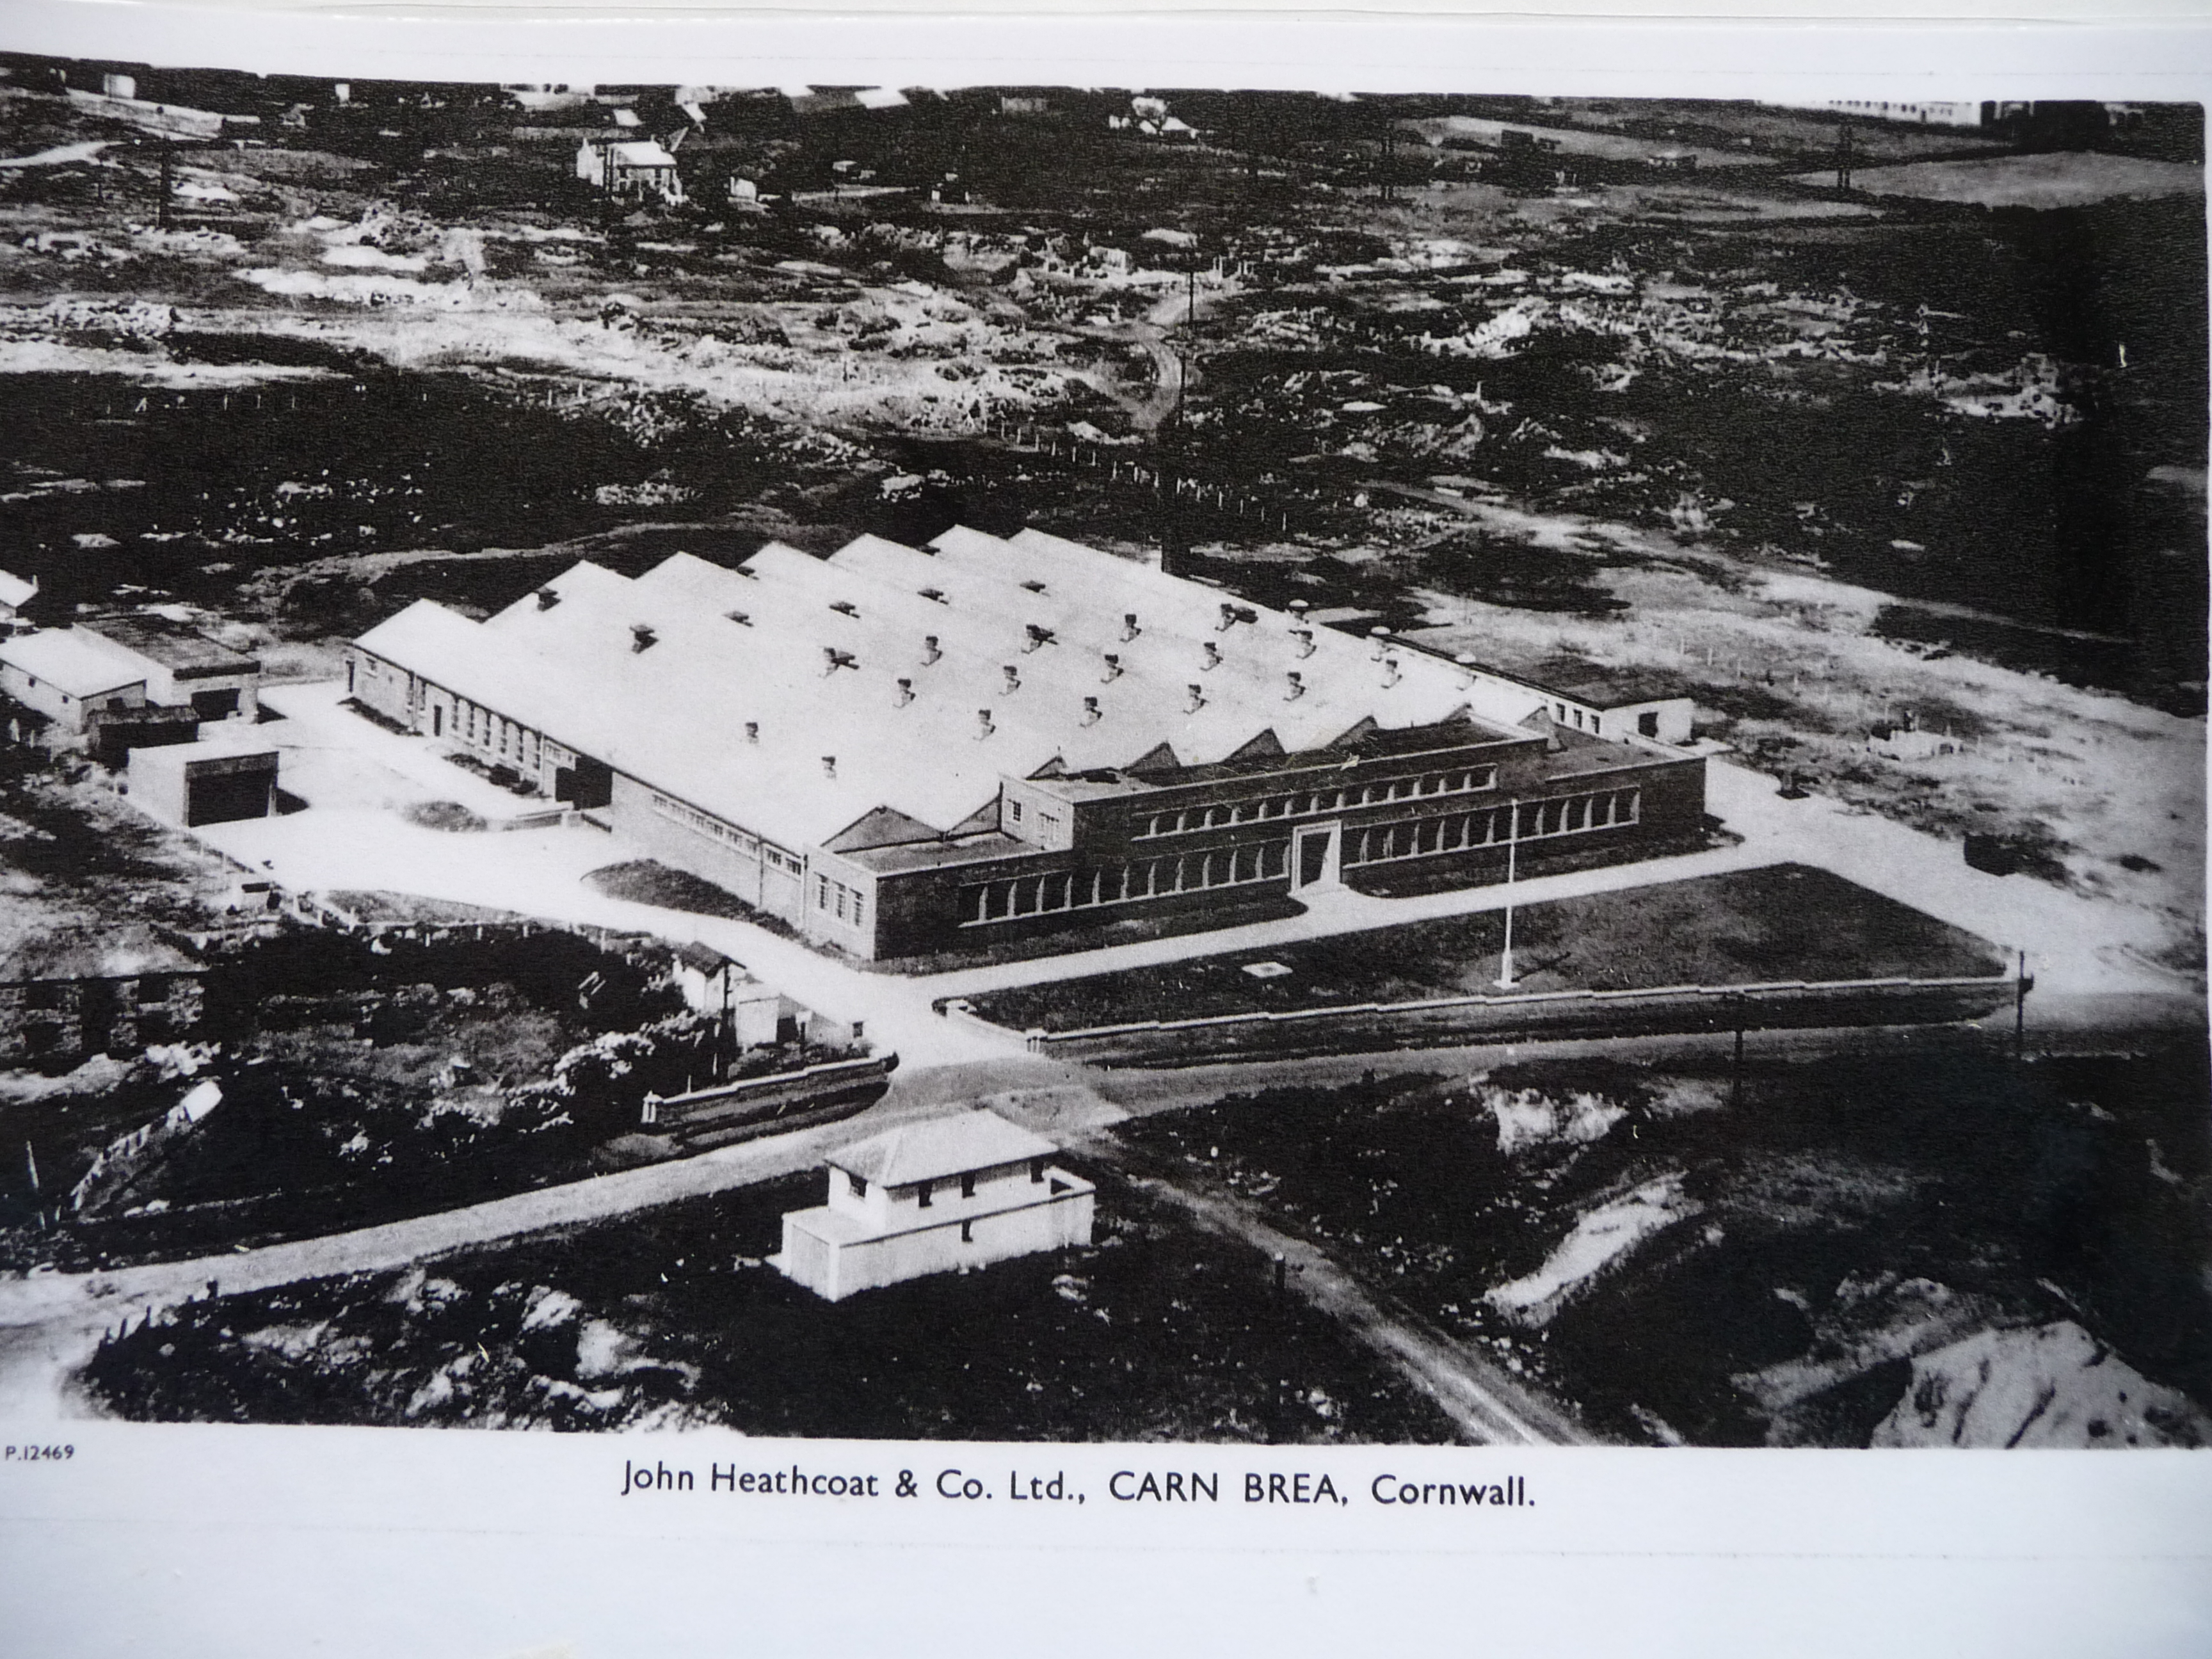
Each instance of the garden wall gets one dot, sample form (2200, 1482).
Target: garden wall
(1444, 1022)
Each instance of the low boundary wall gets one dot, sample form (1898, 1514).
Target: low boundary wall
(1444, 1022)
(783, 1100)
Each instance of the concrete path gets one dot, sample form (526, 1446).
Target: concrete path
(50, 1324)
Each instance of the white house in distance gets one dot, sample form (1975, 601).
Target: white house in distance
(16, 593)
(928, 1197)
(632, 168)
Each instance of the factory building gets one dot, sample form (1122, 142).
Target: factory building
(903, 752)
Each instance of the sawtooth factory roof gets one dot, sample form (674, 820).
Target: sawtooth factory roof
(797, 696)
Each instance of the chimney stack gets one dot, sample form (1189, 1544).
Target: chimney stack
(1297, 686)
(829, 766)
(1212, 656)
(1013, 678)
(1305, 639)
(1113, 668)
(640, 637)
(752, 731)
(1129, 629)
(905, 693)
(984, 728)
(1090, 715)
(930, 653)
(1197, 700)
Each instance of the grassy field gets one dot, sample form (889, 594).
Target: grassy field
(1156, 1333)
(1785, 923)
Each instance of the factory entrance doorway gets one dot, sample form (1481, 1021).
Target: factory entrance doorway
(1317, 857)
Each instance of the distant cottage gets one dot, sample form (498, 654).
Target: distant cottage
(930, 1197)
(634, 168)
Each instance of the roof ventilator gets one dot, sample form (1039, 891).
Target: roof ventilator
(829, 766)
(1381, 637)
(1129, 629)
(1113, 668)
(1297, 686)
(547, 598)
(1038, 637)
(905, 693)
(1090, 715)
(642, 637)
(834, 659)
(1013, 678)
(983, 726)
(930, 653)
(1197, 700)
(1212, 656)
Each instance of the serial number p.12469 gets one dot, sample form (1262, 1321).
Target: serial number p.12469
(37, 1454)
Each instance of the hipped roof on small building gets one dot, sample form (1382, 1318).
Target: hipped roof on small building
(67, 661)
(938, 1148)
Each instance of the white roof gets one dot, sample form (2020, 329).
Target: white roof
(938, 1147)
(14, 589)
(638, 153)
(810, 653)
(63, 658)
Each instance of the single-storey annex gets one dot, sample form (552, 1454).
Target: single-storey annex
(906, 750)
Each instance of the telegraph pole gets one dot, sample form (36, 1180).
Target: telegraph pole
(1844, 156)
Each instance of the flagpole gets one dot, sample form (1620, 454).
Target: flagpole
(1505, 980)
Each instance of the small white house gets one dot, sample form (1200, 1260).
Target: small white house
(59, 674)
(926, 1198)
(712, 983)
(16, 593)
(634, 168)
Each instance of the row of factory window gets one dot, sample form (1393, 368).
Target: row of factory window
(1011, 899)
(705, 824)
(848, 904)
(1008, 900)
(496, 734)
(1566, 815)
(1432, 786)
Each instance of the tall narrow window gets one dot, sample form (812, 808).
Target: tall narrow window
(921, 1194)
(968, 1185)
(858, 1183)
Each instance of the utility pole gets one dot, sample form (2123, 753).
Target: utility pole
(1844, 156)
(1505, 980)
(2020, 1008)
(168, 152)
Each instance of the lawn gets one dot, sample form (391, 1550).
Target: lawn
(1155, 1333)
(1784, 923)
